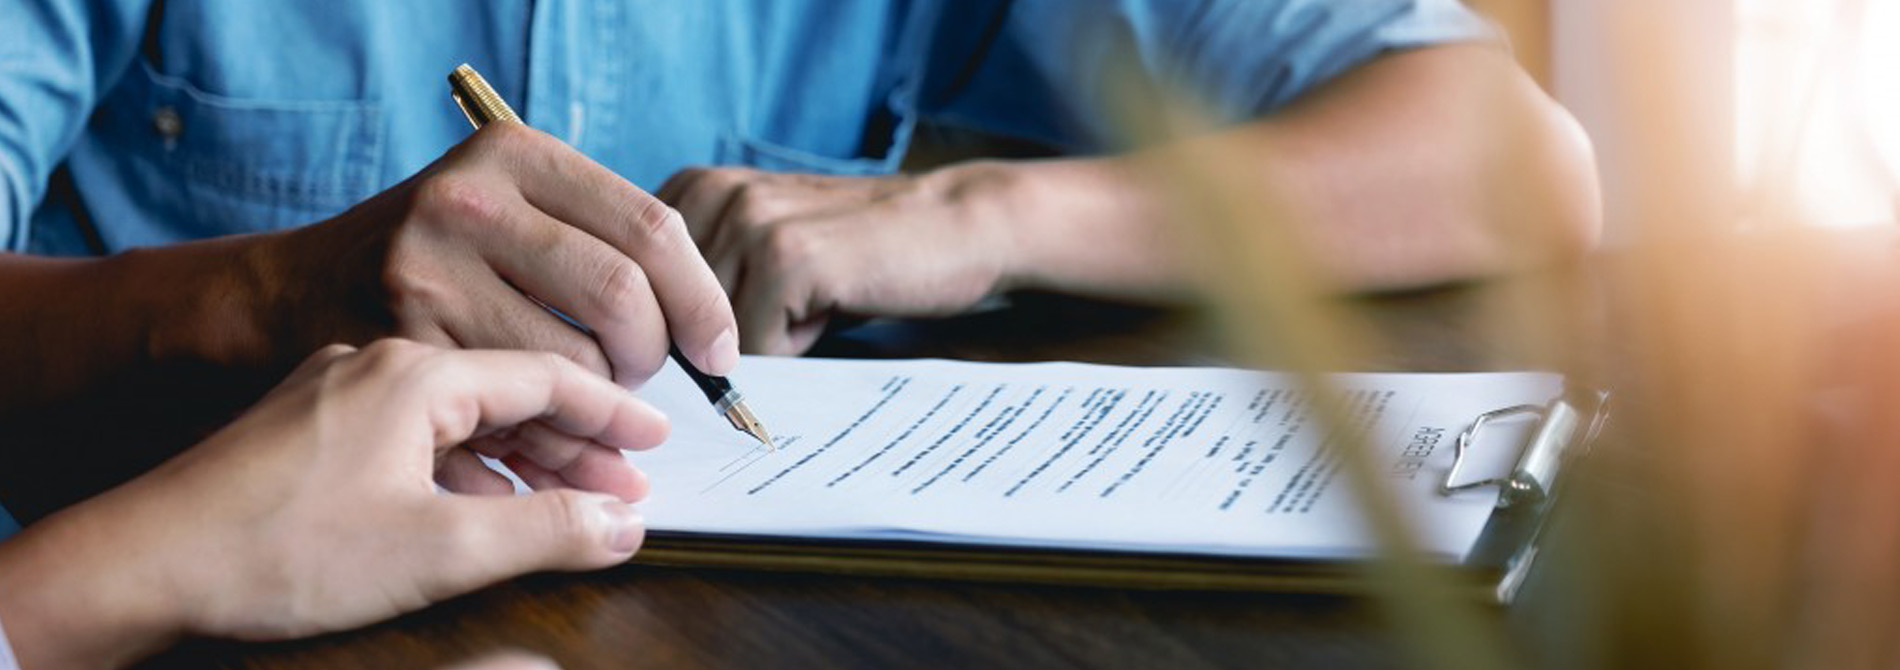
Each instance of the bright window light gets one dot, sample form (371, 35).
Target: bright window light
(1817, 86)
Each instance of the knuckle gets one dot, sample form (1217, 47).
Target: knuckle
(412, 292)
(568, 519)
(750, 206)
(651, 218)
(326, 359)
(622, 287)
(787, 247)
(332, 351)
(393, 351)
(453, 199)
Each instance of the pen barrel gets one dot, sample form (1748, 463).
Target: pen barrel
(718, 391)
(478, 100)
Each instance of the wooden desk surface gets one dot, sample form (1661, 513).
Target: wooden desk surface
(645, 616)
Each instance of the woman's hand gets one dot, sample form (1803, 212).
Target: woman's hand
(318, 509)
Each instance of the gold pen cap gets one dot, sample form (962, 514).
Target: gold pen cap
(479, 101)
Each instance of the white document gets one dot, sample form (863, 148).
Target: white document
(1068, 455)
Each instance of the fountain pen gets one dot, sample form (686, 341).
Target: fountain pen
(482, 105)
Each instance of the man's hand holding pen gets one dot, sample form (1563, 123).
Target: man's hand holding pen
(451, 256)
(483, 107)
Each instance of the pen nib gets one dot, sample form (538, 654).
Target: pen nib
(742, 419)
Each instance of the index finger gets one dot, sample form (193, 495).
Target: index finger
(588, 196)
(506, 388)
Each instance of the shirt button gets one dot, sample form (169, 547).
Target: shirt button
(166, 121)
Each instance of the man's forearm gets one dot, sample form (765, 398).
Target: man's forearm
(1420, 167)
(114, 364)
(72, 324)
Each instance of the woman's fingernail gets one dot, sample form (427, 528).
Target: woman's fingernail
(625, 527)
(723, 356)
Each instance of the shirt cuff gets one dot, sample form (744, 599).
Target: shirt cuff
(7, 661)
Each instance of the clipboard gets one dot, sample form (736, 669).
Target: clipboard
(1495, 568)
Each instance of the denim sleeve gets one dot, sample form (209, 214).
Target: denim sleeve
(1056, 71)
(56, 57)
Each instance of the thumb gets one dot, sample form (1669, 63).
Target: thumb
(499, 537)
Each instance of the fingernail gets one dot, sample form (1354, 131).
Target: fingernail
(723, 356)
(625, 527)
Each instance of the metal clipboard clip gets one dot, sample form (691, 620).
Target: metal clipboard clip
(1510, 541)
(1565, 426)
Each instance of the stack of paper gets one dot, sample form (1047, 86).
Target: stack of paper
(1072, 456)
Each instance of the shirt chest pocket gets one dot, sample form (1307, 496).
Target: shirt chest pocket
(217, 165)
(736, 149)
(880, 140)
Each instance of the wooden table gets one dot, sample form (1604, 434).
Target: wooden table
(646, 616)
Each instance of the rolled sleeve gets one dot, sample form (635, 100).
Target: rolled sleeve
(55, 58)
(1055, 70)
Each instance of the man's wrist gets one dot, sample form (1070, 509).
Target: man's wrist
(203, 302)
(1069, 225)
(993, 204)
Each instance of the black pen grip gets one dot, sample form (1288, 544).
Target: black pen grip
(715, 388)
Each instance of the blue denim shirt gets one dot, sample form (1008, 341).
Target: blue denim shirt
(197, 118)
